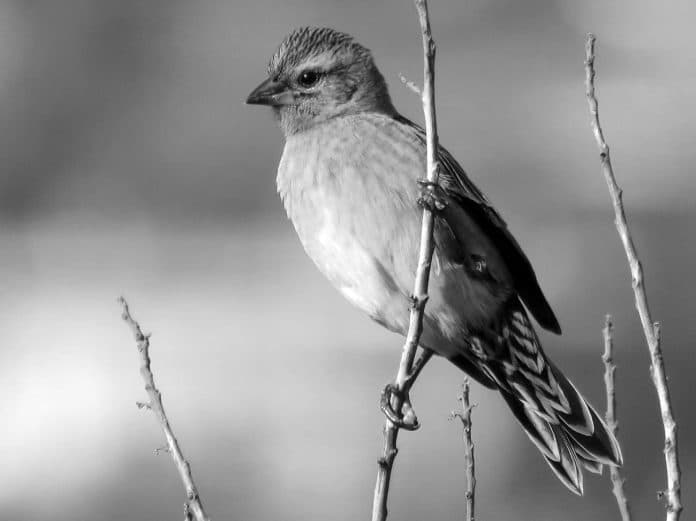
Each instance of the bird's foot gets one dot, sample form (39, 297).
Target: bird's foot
(395, 397)
(404, 419)
(432, 196)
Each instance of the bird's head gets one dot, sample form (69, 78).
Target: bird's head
(318, 74)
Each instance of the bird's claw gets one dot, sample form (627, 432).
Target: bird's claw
(432, 196)
(405, 419)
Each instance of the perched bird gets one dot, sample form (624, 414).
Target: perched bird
(347, 179)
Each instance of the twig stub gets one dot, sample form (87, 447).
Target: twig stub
(410, 84)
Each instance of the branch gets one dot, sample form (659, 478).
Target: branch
(420, 291)
(193, 507)
(465, 418)
(651, 329)
(609, 371)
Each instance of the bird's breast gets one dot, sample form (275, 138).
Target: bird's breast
(349, 188)
(356, 218)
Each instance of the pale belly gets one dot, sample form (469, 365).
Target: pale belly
(353, 269)
(363, 275)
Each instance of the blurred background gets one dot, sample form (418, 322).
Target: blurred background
(130, 165)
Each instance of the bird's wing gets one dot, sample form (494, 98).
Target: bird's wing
(466, 195)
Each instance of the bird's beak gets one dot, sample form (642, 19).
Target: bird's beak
(272, 93)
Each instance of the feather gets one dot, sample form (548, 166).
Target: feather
(454, 180)
(559, 421)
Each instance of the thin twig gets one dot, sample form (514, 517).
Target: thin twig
(617, 478)
(465, 418)
(651, 329)
(193, 506)
(420, 292)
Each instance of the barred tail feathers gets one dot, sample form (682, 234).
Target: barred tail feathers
(559, 421)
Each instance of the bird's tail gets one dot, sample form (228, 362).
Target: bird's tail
(566, 429)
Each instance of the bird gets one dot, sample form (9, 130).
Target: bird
(348, 181)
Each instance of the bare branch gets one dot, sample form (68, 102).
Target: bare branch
(465, 418)
(617, 478)
(651, 329)
(194, 505)
(386, 462)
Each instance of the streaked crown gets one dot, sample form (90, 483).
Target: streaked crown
(316, 42)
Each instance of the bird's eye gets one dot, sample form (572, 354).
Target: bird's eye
(308, 78)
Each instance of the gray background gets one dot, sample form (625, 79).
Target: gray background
(130, 165)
